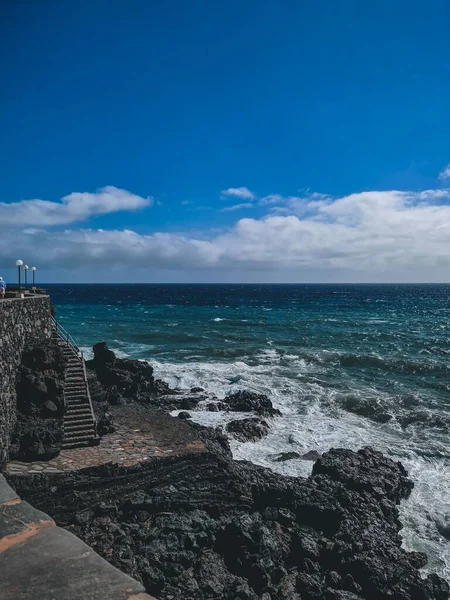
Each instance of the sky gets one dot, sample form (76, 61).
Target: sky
(239, 141)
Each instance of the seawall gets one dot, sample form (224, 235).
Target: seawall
(21, 319)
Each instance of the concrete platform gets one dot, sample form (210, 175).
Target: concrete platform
(39, 561)
(138, 437)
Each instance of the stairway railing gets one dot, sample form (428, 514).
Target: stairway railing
(67, 338)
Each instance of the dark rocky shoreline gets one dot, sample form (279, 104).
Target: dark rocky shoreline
(207, 527)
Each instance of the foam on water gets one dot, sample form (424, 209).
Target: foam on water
(311, 421)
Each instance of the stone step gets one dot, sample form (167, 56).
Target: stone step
(72, 431)
(76, 398)
(78, 439)
(79, 404)
(82, 411)
(84, 421)
(79, 434)
(76, 444)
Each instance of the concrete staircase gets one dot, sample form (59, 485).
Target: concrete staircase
(79, 420)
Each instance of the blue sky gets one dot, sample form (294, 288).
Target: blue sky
(307, 110)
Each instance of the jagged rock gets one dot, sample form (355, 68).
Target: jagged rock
(245, 401)
(209, 527)
(426, 419)
(38, 433)
(287, 456)
(184, 415)
(366, 408)
(311, 455)
(197, 390)
(127, 381)
(248, 430)
(189, 402)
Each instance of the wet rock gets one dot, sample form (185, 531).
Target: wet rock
(311, 455)
(197, 390)
(286, 456)
(248, 430)
(443, 526)
(209, 527)
(245, 401)
(366, 408)
(184, 415)
(189, 402)
(425, 419)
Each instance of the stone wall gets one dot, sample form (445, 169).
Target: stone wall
(20, 320)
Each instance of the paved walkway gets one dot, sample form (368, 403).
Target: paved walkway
(41, 561)
(137, 438)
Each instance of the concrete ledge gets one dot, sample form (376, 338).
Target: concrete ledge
(41, 561)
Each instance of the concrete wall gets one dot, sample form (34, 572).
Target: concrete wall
(20, 320)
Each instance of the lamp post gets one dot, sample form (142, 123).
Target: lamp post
(19, 263)
(25, 268)
(34, 273)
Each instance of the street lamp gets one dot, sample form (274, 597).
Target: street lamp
(19, 263)
(25, 268)
(34, 273)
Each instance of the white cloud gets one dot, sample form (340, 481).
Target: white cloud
(445, 173)
(78, 206)
(237, 207)
(242, 192)
(368, 236)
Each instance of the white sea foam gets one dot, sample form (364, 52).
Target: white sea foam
(311, 421)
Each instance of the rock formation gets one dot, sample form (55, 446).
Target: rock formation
(38, 433)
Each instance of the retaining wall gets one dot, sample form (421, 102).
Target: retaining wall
(20, 320)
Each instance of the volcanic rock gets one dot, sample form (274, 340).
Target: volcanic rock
(40, 402)
(248, 430)
(366, 408)
(184, 415)
(287, 456)
(246, 401)
(206, 527)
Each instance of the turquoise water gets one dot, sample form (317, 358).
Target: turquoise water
(317, 351)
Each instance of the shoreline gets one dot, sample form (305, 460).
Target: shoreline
(354, 494)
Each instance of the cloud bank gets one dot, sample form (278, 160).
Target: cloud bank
(368, 236)
(73, 208)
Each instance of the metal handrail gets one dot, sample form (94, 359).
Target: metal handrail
(66, 337)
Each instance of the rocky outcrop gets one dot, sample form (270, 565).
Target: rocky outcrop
(125, 380)
(206, 527)
(38, 432)
(248, 430)
(245, 401)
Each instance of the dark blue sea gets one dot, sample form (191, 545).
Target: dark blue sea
(348, 366)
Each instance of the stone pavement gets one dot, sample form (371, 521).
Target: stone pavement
(136, 439)
(39, 561)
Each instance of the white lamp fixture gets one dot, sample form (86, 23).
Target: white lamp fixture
(19, 263)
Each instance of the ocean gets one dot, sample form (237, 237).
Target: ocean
(348, 366)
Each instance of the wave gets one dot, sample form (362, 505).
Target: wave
(311, 420)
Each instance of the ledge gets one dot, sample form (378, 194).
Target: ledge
(40, 560)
